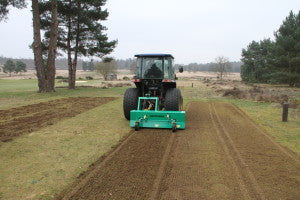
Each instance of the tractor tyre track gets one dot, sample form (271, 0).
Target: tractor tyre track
(242, 169)
(286, 151)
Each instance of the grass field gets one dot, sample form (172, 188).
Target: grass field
(22, 92)
(40, 164)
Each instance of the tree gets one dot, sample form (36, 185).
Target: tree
(222, 66)
(88, 66)
(20, 67)
(5, 4)
(106, 67)
(287, 39)
(45, 66)
(258, 59)
(9, 67)
(80, 32)
(267, 61)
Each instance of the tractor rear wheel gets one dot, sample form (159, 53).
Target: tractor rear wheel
(130, 101)
(173, 99)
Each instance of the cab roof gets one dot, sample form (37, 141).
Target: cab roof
(154, 55)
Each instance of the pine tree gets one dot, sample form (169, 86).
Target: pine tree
(45, 66)
(258, 61)
(45, 70)
(80, 32)
(5, 4)
(288, 49)
(20, 67)
(9, 67)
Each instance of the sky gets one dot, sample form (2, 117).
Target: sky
(191, 30)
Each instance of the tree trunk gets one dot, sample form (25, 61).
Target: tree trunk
(72, 73)
(45, 74)
(69, 51)
(291, 81)
(50, 76)
(37, 46)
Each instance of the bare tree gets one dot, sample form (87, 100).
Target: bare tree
(222, 66)
(106, 67)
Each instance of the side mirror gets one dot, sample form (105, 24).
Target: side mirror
(180, 69)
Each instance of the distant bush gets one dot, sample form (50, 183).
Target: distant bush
(125, 78)
(89, 78)
(60, 77)
(80, 78)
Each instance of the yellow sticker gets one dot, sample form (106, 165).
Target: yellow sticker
(156, 125)
(178, 126)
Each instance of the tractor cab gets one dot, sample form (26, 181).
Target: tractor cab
(154, 74)
(155, 66)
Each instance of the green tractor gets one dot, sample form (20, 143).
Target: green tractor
(155, 102)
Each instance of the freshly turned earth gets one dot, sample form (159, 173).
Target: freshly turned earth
(26, 119)
(221, 154)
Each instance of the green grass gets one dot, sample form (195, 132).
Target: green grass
(23, 92)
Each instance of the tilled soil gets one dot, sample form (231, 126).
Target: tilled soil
(26, 119)
(221, 154)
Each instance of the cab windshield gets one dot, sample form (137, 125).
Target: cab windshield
(153, 67)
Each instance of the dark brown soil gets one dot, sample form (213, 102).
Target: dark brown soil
(26, 119)
(221, 154)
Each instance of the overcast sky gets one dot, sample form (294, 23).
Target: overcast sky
(191, 30)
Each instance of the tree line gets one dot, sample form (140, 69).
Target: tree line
(72, 27)
(60, 63)
(14, 67)
(207, 67)
(275, 61)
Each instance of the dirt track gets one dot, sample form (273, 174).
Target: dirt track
(26, 119)
(221, 155)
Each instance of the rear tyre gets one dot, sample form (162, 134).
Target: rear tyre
(173, 99)
(130, 101)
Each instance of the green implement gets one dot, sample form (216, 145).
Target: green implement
(152, 117)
